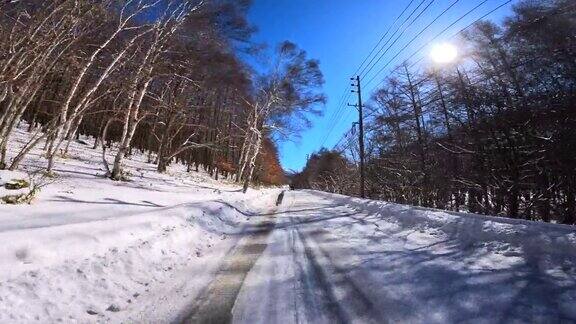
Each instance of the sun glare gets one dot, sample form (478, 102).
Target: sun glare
(444, 53)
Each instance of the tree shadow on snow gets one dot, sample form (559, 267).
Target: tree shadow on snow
(107, 201)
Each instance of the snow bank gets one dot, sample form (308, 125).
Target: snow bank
(535, 237)
(90, 250)
(423, 265)
(36, 248)
(96, 271)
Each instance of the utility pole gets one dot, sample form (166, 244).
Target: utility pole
(361, 132)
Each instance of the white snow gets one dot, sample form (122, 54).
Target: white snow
(90, 250)
(87, 243)
(372, 262)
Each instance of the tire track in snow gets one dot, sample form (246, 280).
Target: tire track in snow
(326, 292)
(342, 301)
(315, 279)
(348, 303)
(215, 303)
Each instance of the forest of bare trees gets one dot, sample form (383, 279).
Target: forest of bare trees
(165, 78)
(494, 133)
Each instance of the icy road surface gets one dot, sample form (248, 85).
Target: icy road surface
(323, 258)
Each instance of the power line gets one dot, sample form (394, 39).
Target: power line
(347, 137)
(414, 38)
(364, 72)
(346, 118)
(342, 138)
(336, 117)
(460, 31)
(341, 105)
(336, 112)
(428, 26)
(383, 36)
(447, 28)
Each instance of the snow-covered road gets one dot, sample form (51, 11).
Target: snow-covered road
(333, 259)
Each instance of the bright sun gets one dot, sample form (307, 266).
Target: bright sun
(444, 53)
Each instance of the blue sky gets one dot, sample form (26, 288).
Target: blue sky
(341, 33)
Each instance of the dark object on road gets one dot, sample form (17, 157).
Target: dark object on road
(280, 198)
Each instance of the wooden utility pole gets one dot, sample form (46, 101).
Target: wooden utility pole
(361, 133)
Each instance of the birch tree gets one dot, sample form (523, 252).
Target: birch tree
(281, 103)
(163, 32)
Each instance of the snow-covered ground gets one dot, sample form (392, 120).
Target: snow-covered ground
(182, 247)
(92, 250)
(338, 259)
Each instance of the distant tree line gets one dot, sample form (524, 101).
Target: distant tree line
(165, 78)
(327, 171)
(493, 134)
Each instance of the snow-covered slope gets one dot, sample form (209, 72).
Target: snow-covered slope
(92, 250)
